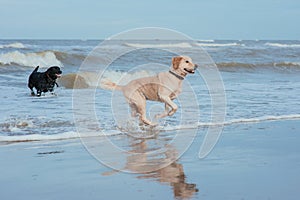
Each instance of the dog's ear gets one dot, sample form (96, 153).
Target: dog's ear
(175, 61)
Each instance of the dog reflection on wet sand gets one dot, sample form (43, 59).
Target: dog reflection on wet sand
(173, 174)
(162, 169)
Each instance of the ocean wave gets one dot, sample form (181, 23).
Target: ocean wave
(83, 80)
(125, 77)
(254, 65)
(234, 64)
(219, 45)
(170, 45)
(206, 40)
(282, 45)
(15, 45)
(90, 80)
(43, 59)
(286, 64)
(69, 58)
(77, 80)
(208, 43)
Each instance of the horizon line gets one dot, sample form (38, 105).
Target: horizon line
(86, 39)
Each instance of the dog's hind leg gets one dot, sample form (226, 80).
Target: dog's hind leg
(145, 120)
(133, 108)
(137, 102)
(141, 109)
(32, 92)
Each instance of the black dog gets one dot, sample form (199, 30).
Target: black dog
(43, 81)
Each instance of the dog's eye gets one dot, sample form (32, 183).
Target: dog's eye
(187, 61)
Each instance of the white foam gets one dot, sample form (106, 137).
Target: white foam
(233, 121)
(254, 120)
(18, 125)
(125, 77)
(114, 76)
(92, 79)
(62, 136)
(206, 40)
(43, 59)
(16, 45)
(287, 64)
(262, 119)
(283, 45)
(170, 45)
(38, 137)
(74, 135)
(219, 45)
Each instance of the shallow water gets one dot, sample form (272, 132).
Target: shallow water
(261, 81)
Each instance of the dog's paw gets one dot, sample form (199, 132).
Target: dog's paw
(147, 127)
(153, 124)
(147, 123)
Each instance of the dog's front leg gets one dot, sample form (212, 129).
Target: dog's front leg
(164, 114)
(170, 103)
(51, 90)
(38, 93)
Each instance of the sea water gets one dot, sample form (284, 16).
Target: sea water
(261, 82)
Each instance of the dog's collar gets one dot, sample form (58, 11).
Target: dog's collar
(50, 77)
(176, 75)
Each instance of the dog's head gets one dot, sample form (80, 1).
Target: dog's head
(183, 65)
(54, 72)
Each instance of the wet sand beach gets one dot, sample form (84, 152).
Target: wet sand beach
(250, 161)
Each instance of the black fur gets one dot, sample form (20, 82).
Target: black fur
(43, 81)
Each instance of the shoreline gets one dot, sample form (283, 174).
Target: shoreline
(73, 135)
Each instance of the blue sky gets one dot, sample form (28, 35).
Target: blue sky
(200, 19)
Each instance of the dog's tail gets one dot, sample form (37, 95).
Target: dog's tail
(109, 85)
(36, 69)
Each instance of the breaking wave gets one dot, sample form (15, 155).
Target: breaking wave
(15, 45)
(219, 45)
(254, 65)
(205, 40)
(90, 80)
(170, 45)
(208, 43)
(43, 59)
(282, 45)
(69, 58)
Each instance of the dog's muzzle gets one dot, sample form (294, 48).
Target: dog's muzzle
(58, 75)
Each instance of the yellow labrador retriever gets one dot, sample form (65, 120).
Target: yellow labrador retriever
(164, 87)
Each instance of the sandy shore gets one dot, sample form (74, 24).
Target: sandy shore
(250, 161)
